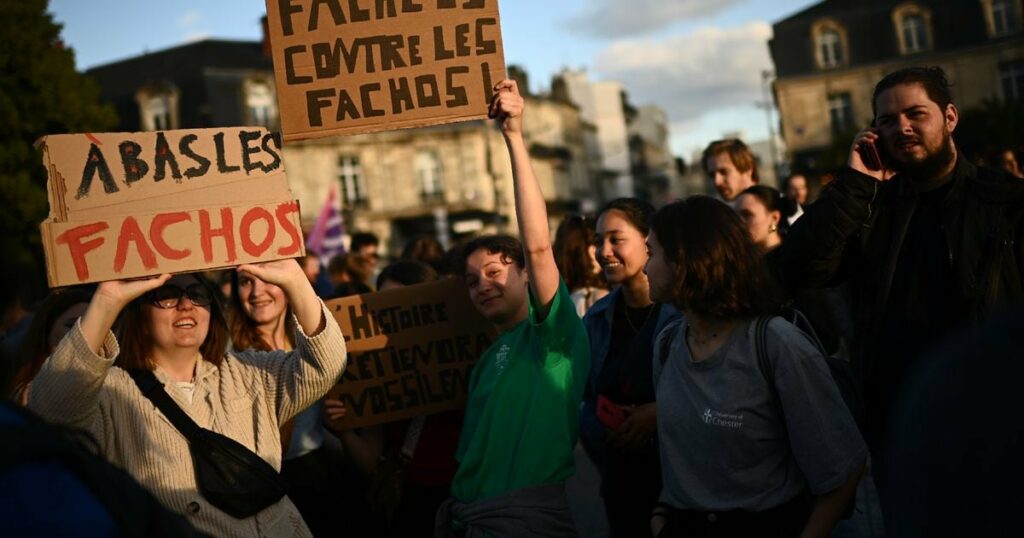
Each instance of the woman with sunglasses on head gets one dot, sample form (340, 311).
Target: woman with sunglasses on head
(618, 420)
(172, 329)
(755, 439)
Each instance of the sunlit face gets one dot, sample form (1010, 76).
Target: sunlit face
(729, 181)
(184, 326)
(497, 288)
(264, 303)
(660, 272)
(798, 189)
(64, 323)
(916, 134)
(621, 251)
(760, 222)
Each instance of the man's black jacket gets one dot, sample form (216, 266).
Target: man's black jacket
(856, 229)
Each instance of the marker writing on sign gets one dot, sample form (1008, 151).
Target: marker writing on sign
(137, 162)
(378, 363)
(409, 391)
(348, 11)
(151, 246)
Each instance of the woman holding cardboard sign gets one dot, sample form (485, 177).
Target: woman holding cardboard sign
(198, 426)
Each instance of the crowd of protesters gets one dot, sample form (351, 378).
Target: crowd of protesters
(740, 365)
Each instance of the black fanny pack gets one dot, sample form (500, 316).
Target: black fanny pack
(229, 475)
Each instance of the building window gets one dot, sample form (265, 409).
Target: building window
(259, 102)
(840, 111)
(158, 107)
(350, 175)
(428, 172)
(830, 44)
(914, 38)
(913, 25)
(1002, 16)
(1012, 76)
(158, 113)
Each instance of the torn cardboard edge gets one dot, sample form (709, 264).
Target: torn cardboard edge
(95, 170)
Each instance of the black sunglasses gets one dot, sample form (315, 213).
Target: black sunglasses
(169, 295)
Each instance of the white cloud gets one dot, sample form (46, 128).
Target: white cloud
(691, 75)
(196, 36)
(621, 18)
(189, 18)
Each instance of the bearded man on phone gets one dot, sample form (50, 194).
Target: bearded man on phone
(929, 241)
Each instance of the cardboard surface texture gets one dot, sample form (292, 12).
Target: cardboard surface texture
(126, 205)
(411, 352)
(358, 66)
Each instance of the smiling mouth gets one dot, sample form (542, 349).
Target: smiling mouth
(185, 324)
(259, 304)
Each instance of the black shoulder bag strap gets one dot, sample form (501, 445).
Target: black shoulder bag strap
(761, 346)
(228, 474)
(151, 388)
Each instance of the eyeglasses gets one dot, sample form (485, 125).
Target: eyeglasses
(169, 295)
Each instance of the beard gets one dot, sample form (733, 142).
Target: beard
(934, 163)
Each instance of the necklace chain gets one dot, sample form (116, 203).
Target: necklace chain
(650, 308)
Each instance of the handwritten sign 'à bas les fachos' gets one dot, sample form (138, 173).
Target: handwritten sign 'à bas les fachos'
(357, 66)
(126, 205)
(411, 352)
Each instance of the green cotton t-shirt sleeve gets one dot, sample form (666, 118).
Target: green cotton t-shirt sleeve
(522, 419)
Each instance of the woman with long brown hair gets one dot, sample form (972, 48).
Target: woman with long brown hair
(172, 341)
(755, 438)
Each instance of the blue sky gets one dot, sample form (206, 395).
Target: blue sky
(700, 60)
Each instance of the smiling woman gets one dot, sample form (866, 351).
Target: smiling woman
(173, 333)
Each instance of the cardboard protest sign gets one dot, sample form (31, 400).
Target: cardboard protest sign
(357, 66)
(411, 351)
(126, 205)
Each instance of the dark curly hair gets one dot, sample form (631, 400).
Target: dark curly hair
(720, 272)
(510, 248)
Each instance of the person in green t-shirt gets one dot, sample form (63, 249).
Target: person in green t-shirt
(521, 425)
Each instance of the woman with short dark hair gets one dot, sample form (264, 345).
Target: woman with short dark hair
(173, 332)
(753, 442)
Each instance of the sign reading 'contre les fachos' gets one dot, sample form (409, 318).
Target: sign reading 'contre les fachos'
(356, 66)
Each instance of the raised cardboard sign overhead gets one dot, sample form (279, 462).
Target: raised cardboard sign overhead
(126, 205)
(357, 66)
(411, 352)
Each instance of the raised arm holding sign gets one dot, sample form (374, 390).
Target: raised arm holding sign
(519, 433)
(172, 340)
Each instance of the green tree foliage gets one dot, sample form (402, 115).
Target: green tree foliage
(40, 94)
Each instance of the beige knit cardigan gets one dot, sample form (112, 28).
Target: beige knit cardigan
(246, 398)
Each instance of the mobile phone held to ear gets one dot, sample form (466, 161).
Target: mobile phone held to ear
(869, 154)
(611, 415)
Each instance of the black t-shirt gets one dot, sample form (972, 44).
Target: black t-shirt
(626, 377)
